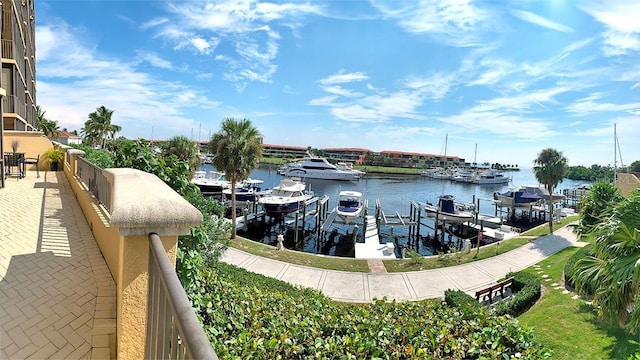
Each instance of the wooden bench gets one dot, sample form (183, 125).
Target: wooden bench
(494, 291)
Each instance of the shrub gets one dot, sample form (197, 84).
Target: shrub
(526, 291)
(570, 266)
(249, 316)
(457, 298)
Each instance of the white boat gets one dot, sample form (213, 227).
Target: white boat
(490, 177)
(315, 167)
(247, 190)
(447, 210)
(437, 173)
(349, 205)
(463, 176)
(289, 196)
(212, 182)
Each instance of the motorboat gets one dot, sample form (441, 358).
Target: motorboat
(248, 190)
(490, 177)
(447, 210)
(315, 167)
(349, 205)
(526, 195)
(465, 176)
(211, 182)
(437, 173)
(289, 196)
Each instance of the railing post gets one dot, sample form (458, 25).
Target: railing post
(141, 204)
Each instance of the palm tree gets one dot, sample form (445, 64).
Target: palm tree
(48, 127)
(236, 151)
(596, 205)
(185, 149)
(549, 168)
(99, 127)
(611, 271)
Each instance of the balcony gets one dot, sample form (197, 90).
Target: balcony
(95, 285)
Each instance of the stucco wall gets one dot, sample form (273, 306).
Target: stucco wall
(32, 143)
(627, 183)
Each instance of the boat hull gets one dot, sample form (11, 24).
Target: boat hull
(341, 175)
(282, 209)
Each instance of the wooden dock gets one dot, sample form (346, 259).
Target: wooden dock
(371, 248)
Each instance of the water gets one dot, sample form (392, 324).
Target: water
(395, 193)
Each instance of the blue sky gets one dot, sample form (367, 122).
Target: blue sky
(513, 77)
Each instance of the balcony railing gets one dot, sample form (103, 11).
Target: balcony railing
(95, 181)
(173, 330)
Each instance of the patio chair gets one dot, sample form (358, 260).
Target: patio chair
(14, 160)
(31, 161)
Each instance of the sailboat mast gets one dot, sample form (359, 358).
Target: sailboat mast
(615, 154)
(446, 160)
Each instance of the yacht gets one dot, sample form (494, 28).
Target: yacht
(212, 182)
(526, 195)
(349, 205)
(315, 167)
(289, 196)
(489, 177)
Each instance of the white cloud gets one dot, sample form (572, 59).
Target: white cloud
(71, 87)
(341, 78)
(155, 60)
(540, 21)
(338, 90)
(620, 17)
(453, 22)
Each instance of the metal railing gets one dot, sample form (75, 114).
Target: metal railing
(95, 181)
(173, 330)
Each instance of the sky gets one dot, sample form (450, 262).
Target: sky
(501, 80)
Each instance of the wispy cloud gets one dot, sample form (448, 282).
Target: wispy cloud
(248, 26)
(71, 87)
(341, 77)
(540, 21)
(620, 17)
(453, 22)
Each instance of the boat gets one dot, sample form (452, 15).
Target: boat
(248, 190)
(289, 196)
(349, 205)
(447, 210)
(437, 173)
(463, 175)
(316, 167)
(489, 177)
(526, 195)
(211, 182)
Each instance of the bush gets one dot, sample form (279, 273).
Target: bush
(570, 266)
(526, 291)
(250, 316)
(457, 298)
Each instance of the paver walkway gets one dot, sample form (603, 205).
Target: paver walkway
(417, 285)
(57, 296)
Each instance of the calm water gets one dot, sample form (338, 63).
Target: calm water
(395, 193)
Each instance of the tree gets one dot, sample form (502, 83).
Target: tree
(48, 127)
(185, 149)
(597, 204)
(612, 267)
(549, 168)
(634, 167)
(236, 151)
(98, 128)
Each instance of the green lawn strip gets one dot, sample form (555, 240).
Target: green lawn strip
(543, 229)
(569, 327)
(441, 261)
(300, 258)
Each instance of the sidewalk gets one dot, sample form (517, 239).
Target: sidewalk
(418, 285)
(57, 296)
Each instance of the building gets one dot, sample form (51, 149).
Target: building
(67, 138)
(349, 155)
(283, 151)
(18, 69)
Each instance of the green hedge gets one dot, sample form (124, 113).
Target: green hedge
(526, 291)
(570, 270)
(248, 316)
(458, 298)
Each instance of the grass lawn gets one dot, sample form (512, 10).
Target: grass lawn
(570, 327)
(543, 229)
(300, 258)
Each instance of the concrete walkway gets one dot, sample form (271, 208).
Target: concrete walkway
(57, 296)
(417, 285)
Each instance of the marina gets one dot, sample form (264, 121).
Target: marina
(395, 206)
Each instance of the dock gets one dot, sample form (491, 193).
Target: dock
(371, 248)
